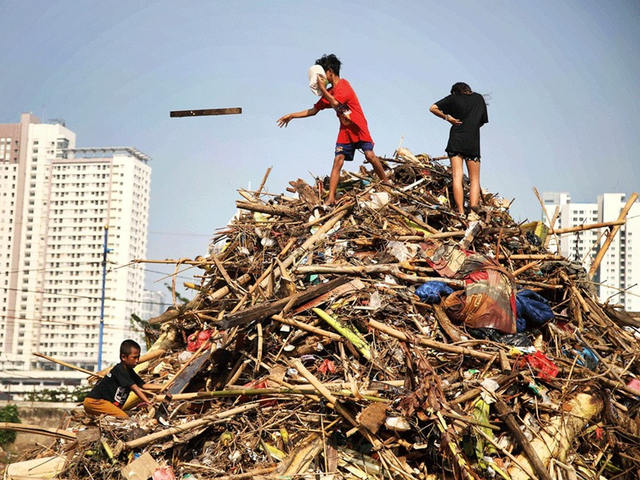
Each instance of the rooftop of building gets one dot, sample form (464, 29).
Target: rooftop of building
(106, 152)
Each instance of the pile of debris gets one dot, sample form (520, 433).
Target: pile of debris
(384, 338)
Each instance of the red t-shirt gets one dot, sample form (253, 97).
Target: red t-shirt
(352, 129)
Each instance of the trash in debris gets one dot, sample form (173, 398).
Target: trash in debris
(316, 346)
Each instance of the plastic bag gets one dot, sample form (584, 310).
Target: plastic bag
(195, 340)
(532, 310)
(432, 292)
(313, 73)
(519, 340)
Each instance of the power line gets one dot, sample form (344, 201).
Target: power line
(67, 323)
(28, 270)
(183, 234)
(70, 295)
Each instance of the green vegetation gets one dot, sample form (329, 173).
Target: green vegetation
(8, 414)
(61, 394)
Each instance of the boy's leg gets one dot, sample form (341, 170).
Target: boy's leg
(473, 167)
(100, 407)
(457, 174)
(377, 166)
(338, 162)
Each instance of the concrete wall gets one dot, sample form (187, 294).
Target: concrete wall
(44, 414)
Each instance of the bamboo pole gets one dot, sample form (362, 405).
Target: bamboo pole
(142, 441)
(580, 228)
(534, 459)
(268, 209)
(68, 365)
(264, 180)
(611, 235)
(528, 266)
(413, 218)
(556, 437)
(546, 214)
(241, 476)
(533, 256)
(194, 304)
(349, 333)
(309, 328)
(444, 347)
(37, 430)
(552, 225)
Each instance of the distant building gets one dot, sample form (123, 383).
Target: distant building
(57, 204)
(619, 273)
(153, 304)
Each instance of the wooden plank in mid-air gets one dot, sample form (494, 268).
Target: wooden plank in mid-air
(208, 111)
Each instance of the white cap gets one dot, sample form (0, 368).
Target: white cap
(314, 71)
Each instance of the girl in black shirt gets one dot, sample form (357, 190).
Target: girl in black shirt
(466, 111)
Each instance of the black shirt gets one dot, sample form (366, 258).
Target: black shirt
(471, 110)
(116, 386)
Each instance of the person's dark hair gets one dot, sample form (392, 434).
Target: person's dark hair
(460, 88)
(128, 346)
(330, 62)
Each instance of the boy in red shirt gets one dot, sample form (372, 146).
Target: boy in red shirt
(354, 131)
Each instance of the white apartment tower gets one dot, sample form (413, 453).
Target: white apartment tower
(58, 203)
(619, 274)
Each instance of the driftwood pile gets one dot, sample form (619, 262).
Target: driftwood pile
(306, 352)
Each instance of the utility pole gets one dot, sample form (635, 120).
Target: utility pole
(105, 251)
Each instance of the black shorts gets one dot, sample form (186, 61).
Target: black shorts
(466, 157)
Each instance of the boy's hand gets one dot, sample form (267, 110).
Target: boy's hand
(284, 121)
(322, 80)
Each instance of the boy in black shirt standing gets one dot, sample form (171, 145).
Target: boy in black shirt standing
(109, 395)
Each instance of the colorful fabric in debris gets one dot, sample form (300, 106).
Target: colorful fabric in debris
(488, 300)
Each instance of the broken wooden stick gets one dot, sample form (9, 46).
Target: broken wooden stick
(142, 441)
(205, 112)
(534, 460)
(37, 430)
(611, 235)
(419, 340)
(69, 365)
(555, 438)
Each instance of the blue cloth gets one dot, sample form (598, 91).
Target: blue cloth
(432, 292)
(532, 310)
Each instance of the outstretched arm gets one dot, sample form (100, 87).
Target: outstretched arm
(284, 121)
(141, 395)
(439, 113)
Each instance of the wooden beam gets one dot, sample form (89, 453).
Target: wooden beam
(205, 112)
(69, 365)
(37, 430)
(264, 310)
(611, 235)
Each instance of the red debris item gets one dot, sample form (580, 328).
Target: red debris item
(195, 340)
(634, 384)
(165, 473)
(257, 385)
(327, 366)
(541, 363)
(599, 433)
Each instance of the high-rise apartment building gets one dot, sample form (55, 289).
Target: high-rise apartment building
(154, 304)
(58, 206)
(618, 276)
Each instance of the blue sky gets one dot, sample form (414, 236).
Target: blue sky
(563, 77)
